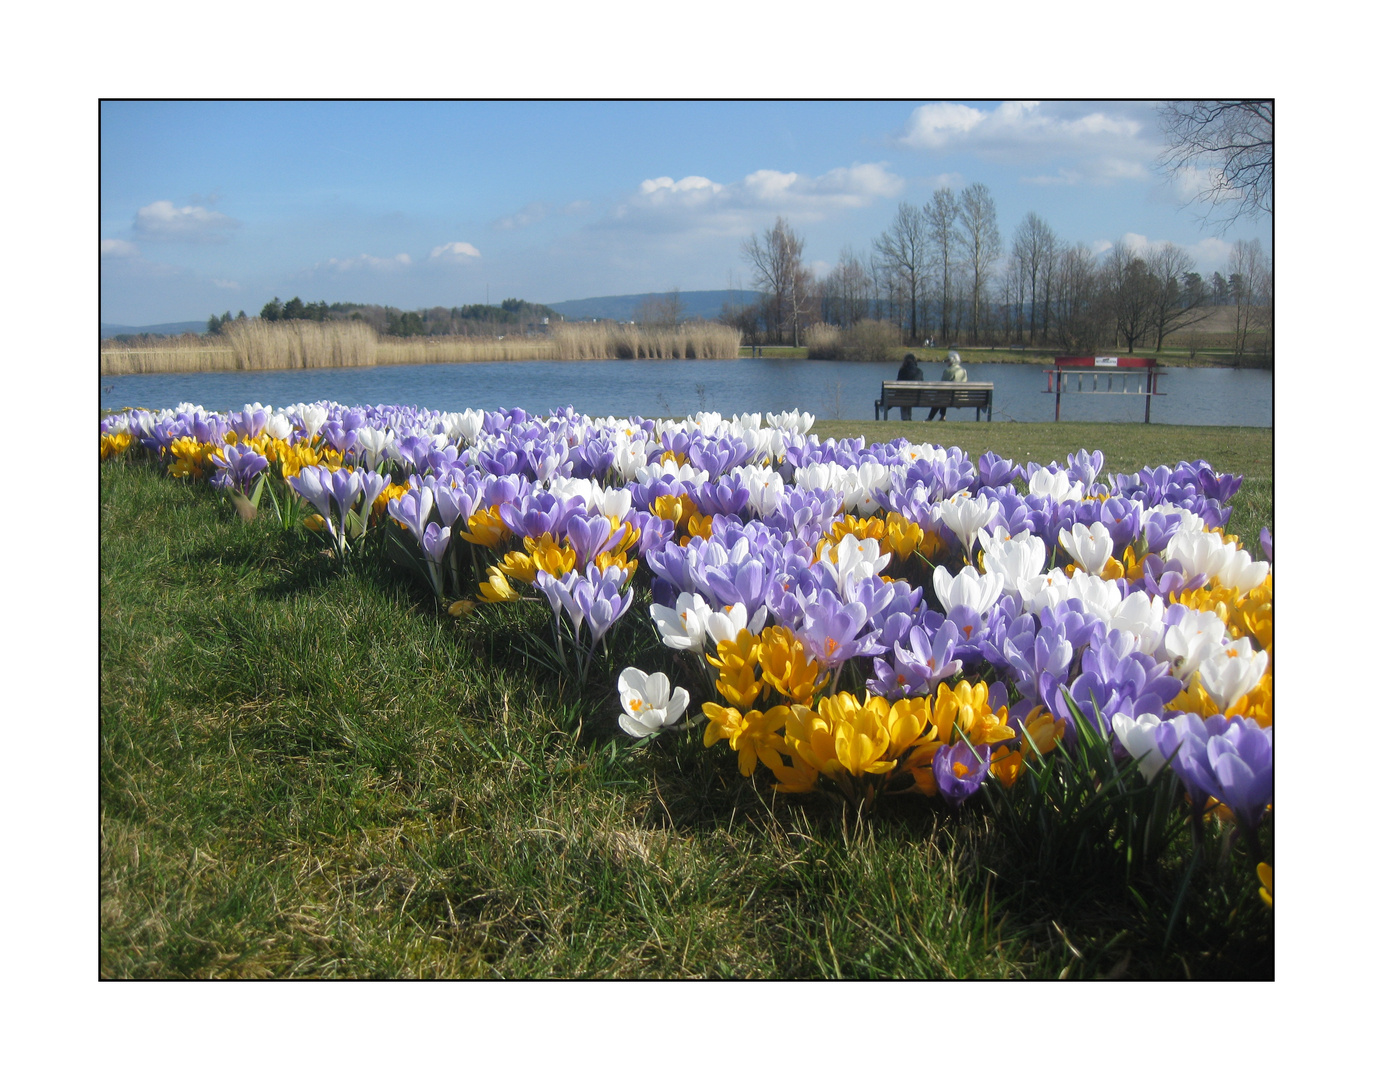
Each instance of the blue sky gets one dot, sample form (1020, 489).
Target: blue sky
(208, 206)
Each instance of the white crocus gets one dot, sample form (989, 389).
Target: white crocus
(1241, 571)
(1195, 636)
(312, 418)
(1018, 559)
(374, 444)
(1231, 671)
(466, 425)
(765, 488)
(684, 627)
(1142, 616)
(1056, 486)
(617, 503)
(1136, 734)
(1100, 597)
(1043, 591)
(1198, 552)
(727, 623)
(852, 560)
(1089, 545)
(968, 589)
(964, 516)
(650, 703)
(278, 425)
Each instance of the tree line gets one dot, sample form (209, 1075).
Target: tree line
(472, 320)
(941, 273)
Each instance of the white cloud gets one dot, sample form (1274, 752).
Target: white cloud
(118, 249)
(455, 251)
(933, 127)
(365, 262)
(1081, 141)
(221, 283)
(163, 221)
(699, 202)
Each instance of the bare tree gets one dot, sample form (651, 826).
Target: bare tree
(981, 242)
(1033, 252)
(660, 310)
(779, 273)
(1128, 291)
(1231, 142)
(846, 290)
(1176, 302)
(941, 215)
(904, 248)
(1079, 317)
(1251, 277)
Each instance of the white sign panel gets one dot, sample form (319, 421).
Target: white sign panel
(1106, 361)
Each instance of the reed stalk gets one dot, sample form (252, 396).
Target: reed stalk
(256, 345)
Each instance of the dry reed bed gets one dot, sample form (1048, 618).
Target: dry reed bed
(607, 341)
(262, 346)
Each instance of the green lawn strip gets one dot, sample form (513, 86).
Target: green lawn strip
(311, 773)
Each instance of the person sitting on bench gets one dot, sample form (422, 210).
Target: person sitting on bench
(953, 372)
(910, 372)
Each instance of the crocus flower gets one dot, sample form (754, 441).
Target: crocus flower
(959, 770)
(649, 701)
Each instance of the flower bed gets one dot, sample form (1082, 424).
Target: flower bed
(873, 622)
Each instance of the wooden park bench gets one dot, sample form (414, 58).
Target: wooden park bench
(933, 395)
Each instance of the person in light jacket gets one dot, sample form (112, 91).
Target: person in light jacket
(910, 372)
(953, 372)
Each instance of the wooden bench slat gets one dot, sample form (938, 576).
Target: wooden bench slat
(939, 395)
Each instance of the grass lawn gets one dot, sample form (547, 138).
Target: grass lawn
(305, 772)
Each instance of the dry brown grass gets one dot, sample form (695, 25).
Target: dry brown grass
(255, 345)
(462, 350)
(608, 341)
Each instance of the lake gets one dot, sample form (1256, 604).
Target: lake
(828, 389)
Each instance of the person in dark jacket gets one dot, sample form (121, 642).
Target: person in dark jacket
(910, 372)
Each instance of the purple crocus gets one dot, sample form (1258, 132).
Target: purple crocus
(241, 466)
(832, 630)
(959, 771)
(434, 542)
(1229, 759)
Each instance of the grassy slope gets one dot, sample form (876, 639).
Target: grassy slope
(308, 773)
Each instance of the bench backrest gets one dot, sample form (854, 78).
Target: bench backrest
(936, 393)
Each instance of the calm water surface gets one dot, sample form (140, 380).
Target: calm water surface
(827, 389)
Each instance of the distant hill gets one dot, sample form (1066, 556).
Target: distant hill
(109, 330)
(702, 303)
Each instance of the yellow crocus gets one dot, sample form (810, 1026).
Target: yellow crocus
(754, 735)
(496, 589)
(965, 707)
(191, 458)
(698, 525)
(786, 667)
(870, 528)
(903, 538)
(861, 737)
(1266, 883)
(115, 444)
(607, 559)
(486, 529)
(674, 508)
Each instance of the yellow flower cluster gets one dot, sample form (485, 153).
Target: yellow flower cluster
(766, 664)
(191, 458)
(114, 445)
(869, 746)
